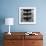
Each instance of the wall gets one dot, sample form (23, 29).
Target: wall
(9, 8)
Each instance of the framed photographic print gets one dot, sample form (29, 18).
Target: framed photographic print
(27, 15)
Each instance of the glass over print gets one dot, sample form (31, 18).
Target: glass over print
(27, 15)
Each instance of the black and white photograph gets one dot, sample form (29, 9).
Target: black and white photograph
(27, 15)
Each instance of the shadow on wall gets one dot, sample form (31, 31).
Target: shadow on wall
(2, 21)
